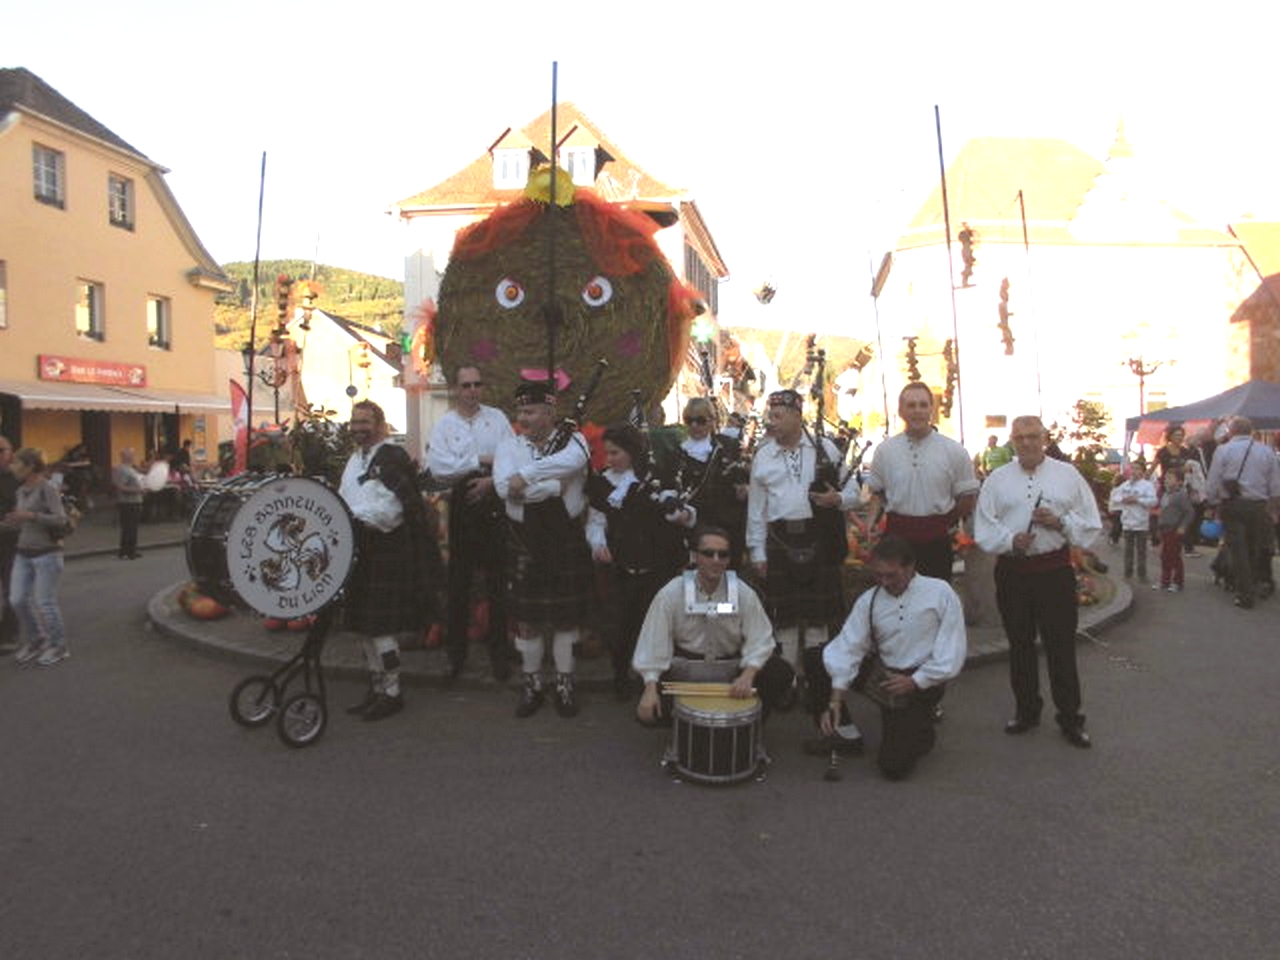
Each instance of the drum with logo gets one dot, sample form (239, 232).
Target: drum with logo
(715, 739)
(283, 546)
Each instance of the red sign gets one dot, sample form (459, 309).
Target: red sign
(73, 370)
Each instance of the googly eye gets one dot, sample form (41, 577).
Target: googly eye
(509, 293)
(597, 292)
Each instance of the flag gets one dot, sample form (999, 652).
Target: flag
(240, 418)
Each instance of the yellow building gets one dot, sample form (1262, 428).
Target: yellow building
(106, 294)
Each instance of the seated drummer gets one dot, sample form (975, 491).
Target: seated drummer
(706, 625)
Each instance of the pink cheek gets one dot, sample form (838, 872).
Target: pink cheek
(629, 345)
(485, 351)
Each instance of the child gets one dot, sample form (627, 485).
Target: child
(1134, 500)
(1176, 514)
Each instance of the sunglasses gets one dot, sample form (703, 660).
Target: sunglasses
(714, 554)
(471, 383)
(696, 421)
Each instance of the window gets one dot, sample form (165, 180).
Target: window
(581, 164)
(510, 169)
(120, 201)
(159, 331)
(89, 309)
(4, 297)
(47, 170)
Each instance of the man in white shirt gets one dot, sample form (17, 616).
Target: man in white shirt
(706, 624)
(796, 543)
(548, 561)
(460, 454)
(914, 625)
(925, 481)
(1030, 513)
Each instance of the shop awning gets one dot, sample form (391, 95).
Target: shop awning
(49, 395)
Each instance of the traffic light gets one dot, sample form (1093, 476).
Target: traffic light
(913, 363)
(1006, 334)
(968, 240)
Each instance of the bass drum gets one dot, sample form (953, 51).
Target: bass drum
(282, 546)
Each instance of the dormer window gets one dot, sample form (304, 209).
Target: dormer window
(510, 169)
(581, 164)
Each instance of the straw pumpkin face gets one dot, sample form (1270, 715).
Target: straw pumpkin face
(613, 292)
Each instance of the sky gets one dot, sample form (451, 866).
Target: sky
(805, 131)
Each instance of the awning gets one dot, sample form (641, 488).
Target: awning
(51, 395)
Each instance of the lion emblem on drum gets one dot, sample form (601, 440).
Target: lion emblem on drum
(293, 554)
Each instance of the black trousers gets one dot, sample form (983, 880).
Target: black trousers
(476, 541)
(634, 593)
(130, 517)
(1041, 602)
(907, 733)
(8, 619)
(934, 558)
(1245, 524)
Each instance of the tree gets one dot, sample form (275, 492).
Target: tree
(1090, 424)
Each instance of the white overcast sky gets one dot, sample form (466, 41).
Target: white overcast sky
(805, 134)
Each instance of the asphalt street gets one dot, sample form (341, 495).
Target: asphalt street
(139, 822)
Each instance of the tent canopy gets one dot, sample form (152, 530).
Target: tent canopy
(1258, 400)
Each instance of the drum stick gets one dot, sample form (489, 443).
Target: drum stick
(687, 689)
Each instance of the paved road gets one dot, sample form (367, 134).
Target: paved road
(139, 822)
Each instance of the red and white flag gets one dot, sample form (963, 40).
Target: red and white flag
(240, 417)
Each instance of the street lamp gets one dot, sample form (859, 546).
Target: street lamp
(1141, 369)
(276, 375)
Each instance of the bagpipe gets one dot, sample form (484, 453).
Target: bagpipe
(568, 426)
(829, 521)
(667, 501)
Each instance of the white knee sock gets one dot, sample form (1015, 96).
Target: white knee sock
(562, 650)
(388, 650)
(531, 650)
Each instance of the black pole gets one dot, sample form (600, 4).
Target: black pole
(1035, 332)
(552, 309)
(253, 320)
(951, 274)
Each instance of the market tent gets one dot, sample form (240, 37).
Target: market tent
(1259, 400)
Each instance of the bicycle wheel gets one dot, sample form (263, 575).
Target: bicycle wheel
(253, 701)
(302, 719)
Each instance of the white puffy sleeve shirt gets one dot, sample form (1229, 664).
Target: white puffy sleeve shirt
(921, 630)
(1010, 494)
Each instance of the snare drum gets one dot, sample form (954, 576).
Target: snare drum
(283, 546)
(715, 739)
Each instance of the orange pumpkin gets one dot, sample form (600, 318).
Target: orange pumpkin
(206, 608)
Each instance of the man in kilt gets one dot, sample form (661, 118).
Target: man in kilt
(541, 476)
(794, 556)
(397, 563)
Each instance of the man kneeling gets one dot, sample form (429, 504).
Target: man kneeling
(706, 625)
(903, 640)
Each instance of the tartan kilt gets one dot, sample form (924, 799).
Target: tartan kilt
(796, 591)
(385, 592)
(550, 577)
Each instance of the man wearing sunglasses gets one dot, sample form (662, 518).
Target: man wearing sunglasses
(706, 625)
(460, 454)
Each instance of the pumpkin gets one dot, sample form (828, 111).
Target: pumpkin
(206, 608)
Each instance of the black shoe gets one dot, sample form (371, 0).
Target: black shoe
(455, 669)
(356, 709)
(384, 705)
(1020, 725)
(823, 746)
(566, 705)
(1244, 603)
(1076, 737)
(531, 697)
(938, 713)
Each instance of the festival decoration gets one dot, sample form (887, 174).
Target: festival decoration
(615, 296)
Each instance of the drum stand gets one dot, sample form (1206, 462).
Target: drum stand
(300, 718)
